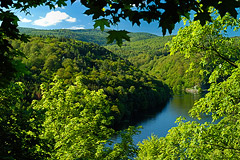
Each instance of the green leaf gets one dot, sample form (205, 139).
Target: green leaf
(118, 36)
(101, 23)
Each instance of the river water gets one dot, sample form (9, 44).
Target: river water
(158, 122)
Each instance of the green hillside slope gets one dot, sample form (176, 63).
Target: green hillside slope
(146, 51)
(152, 56)
(129, 89)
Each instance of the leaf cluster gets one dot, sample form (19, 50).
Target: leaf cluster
(20, 125)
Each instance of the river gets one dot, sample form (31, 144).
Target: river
(158, 122)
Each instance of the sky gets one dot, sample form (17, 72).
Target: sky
(72, 17)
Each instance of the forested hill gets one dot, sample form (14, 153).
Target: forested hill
(152, 56)
(86, 35)
(146, 51)
(128, 89)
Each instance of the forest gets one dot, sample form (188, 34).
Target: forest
(98, 68)
(63, 93)
(82, 75)
(146, 52)
(153, 57)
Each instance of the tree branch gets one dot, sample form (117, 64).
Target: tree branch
(224, 58)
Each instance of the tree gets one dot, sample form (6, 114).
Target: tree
(20, 126)
(220, 138)
(166, 13)
(188, 140)
(218, 53)
(9, 30)
(76, 120)
(76, 123)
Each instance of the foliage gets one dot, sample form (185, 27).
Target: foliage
(72, 116)
(20, 126)
(191, 140)
(220, 138)
(174, 71)
(76, 120)
(126, 148)
(9, 30)
(218, 53)
(118, 36)
(69, 122)
(71, 128)
(154, 46)
(151, 56)
(166, 13)
(150, 148)
(99, 68)
(145, 51)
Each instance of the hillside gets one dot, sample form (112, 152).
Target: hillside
(86, 35)
(151, 56)
(146, 51)
(98, 68)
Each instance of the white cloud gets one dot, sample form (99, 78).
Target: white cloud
(71, 19)
(77, 27)
(25, 20)
(53, 18)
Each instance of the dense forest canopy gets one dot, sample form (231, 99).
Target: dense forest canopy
(146, 51)
(152, 56)
(99, 69)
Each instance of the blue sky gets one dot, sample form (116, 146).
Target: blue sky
(72, 17)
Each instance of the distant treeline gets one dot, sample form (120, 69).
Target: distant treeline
(86, 35)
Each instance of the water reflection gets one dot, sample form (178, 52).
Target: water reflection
(142, 117)
(158, 122)
(181, 104)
